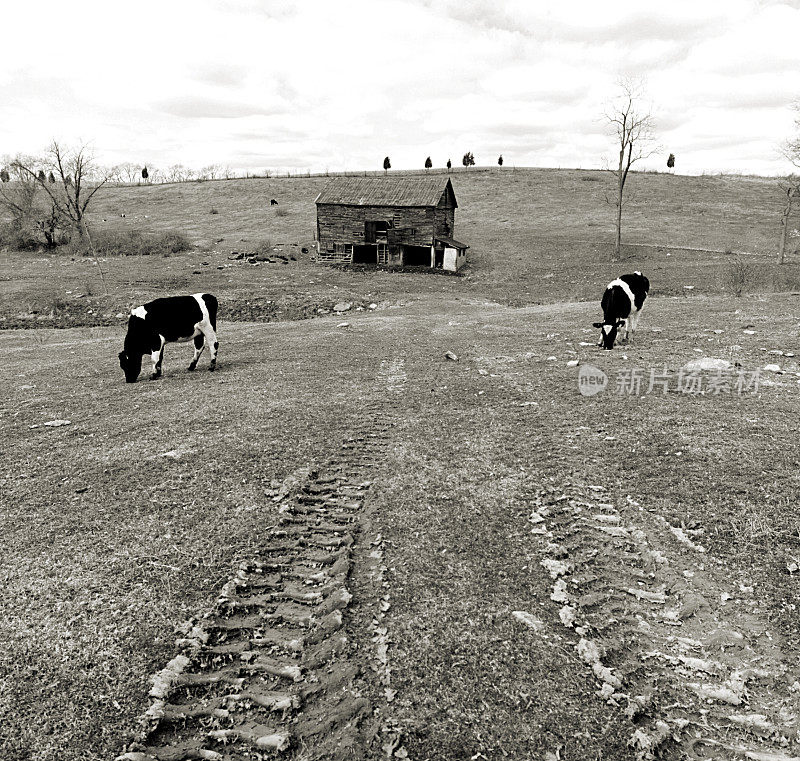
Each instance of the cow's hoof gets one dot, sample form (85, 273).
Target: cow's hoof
(212, 368)
(155, 376)
(192, 366)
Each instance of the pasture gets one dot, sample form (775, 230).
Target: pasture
(587, 577)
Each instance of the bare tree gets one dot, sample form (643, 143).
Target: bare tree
(632, 125)
(34, 221)
(210, 172)
(468, 159)
(176, 173)
(126, 172)
(791, 150)
(76, 182)
(18, 196)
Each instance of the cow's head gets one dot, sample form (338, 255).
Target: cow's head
(608, 332)
(131, 364)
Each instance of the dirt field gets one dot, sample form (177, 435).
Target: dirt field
(364, 549)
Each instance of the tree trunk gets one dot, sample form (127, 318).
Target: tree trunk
(787, 211)
(618, 241)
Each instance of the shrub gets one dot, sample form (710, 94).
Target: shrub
(785, 277)
(132, 243)
(21, 237)
(738, 276)
(263, 247)
(53, 305)
(172, 242)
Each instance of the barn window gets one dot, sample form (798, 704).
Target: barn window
(376, 231)
(343, 248)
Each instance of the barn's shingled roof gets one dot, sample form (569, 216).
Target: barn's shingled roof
(384, 191)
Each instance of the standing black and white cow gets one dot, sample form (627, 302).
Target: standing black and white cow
(163, 321)
(622, 304)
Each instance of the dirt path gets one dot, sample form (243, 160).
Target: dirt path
(673, 640)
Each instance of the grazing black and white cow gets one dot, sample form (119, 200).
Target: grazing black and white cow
(622, 304)
(163, 321)
(273, 202)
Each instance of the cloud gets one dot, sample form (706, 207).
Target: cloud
(280, 9)
(589, 22)
(273, 133)
(755, 100)
(325, 85)
(41, 91)
(641, 28)
(197, 107)
(222, 75)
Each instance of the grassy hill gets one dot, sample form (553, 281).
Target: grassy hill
(535, 236)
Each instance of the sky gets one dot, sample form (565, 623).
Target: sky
(317, 85)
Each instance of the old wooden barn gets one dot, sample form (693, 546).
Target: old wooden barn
(401, 222)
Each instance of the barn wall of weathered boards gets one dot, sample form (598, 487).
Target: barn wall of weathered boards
(399, 222)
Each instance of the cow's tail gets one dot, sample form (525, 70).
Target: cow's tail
(211, 305)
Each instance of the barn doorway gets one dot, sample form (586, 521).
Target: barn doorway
(417, 256)
(365, 254)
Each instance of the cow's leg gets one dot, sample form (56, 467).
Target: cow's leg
(213, 344)
(634, 321)
(157, 357)
(199, 345)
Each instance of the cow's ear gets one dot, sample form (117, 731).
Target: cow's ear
(597, 324)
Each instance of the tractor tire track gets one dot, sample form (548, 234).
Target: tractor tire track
(674, 642)
(286, 662)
